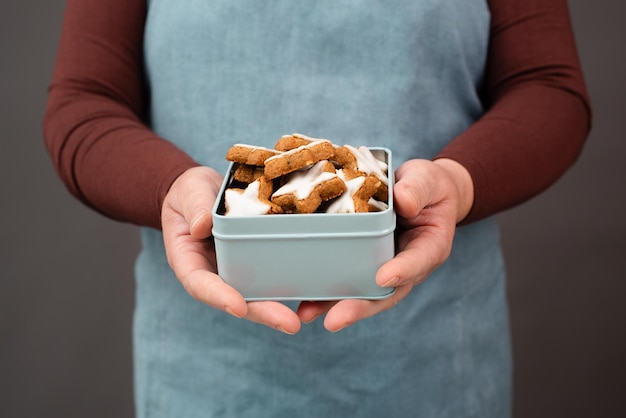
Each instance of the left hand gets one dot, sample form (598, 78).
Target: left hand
(430, 198)
(187, 223)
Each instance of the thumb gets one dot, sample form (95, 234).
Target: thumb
(201, 223)
(407, 200)
(193, 195)
(410, 192)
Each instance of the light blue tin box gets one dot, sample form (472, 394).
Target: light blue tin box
(318, 256)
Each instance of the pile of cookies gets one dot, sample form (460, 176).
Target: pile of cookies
(305, 175)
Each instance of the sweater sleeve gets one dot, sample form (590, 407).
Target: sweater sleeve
(538, 112)
(94, 126)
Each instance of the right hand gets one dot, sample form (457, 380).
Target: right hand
(430, 198)
(187, 222)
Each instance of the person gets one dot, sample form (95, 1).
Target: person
(483, 105)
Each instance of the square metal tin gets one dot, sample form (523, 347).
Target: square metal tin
(318, 256)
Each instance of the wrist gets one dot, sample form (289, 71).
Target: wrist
(463, 183)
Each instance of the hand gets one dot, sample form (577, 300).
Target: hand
(430, 198)
(187, 222)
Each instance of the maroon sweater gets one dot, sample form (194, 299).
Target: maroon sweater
(538, 113)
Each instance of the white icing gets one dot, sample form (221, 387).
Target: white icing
(306, 137)
(378, 204)
(368, 164)
(345, 202)
(245, 202)
(256, 147)
(295, 150)
(301, 183)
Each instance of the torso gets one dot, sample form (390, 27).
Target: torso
(405, 75)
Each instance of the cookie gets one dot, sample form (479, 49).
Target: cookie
(298, 158)
(247, 173)
(306, 175)
(250, 155)
(359, 192)
(305, 190)
(253, 200)
(346, 159)
(289, 142)
(377, 205)
(360, 161)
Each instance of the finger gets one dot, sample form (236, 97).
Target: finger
(210, 289)
(185, 253)
(309, 311)
(197, 212)
(422, 251)
(196, 192)
(201, 223)
(195, 271)
(413, 189)
(409, 198)
(193, 262)
(349, 311)
(274, 315)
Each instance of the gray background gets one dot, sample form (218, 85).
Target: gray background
(66, 285)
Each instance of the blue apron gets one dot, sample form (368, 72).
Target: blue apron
(402, 74)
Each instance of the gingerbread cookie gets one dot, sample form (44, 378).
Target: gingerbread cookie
(360, 191)
(360, 161)
(250, 155)
(297, 158)
(289, 142)
(247, 173)
(305, 190)
(305, 175)
(377, 205)
(253, 200)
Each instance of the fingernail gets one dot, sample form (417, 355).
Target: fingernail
(230, 311)
(391, 282)
(313, 318)
(281, 329)
(196, 219)
(341, 327)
